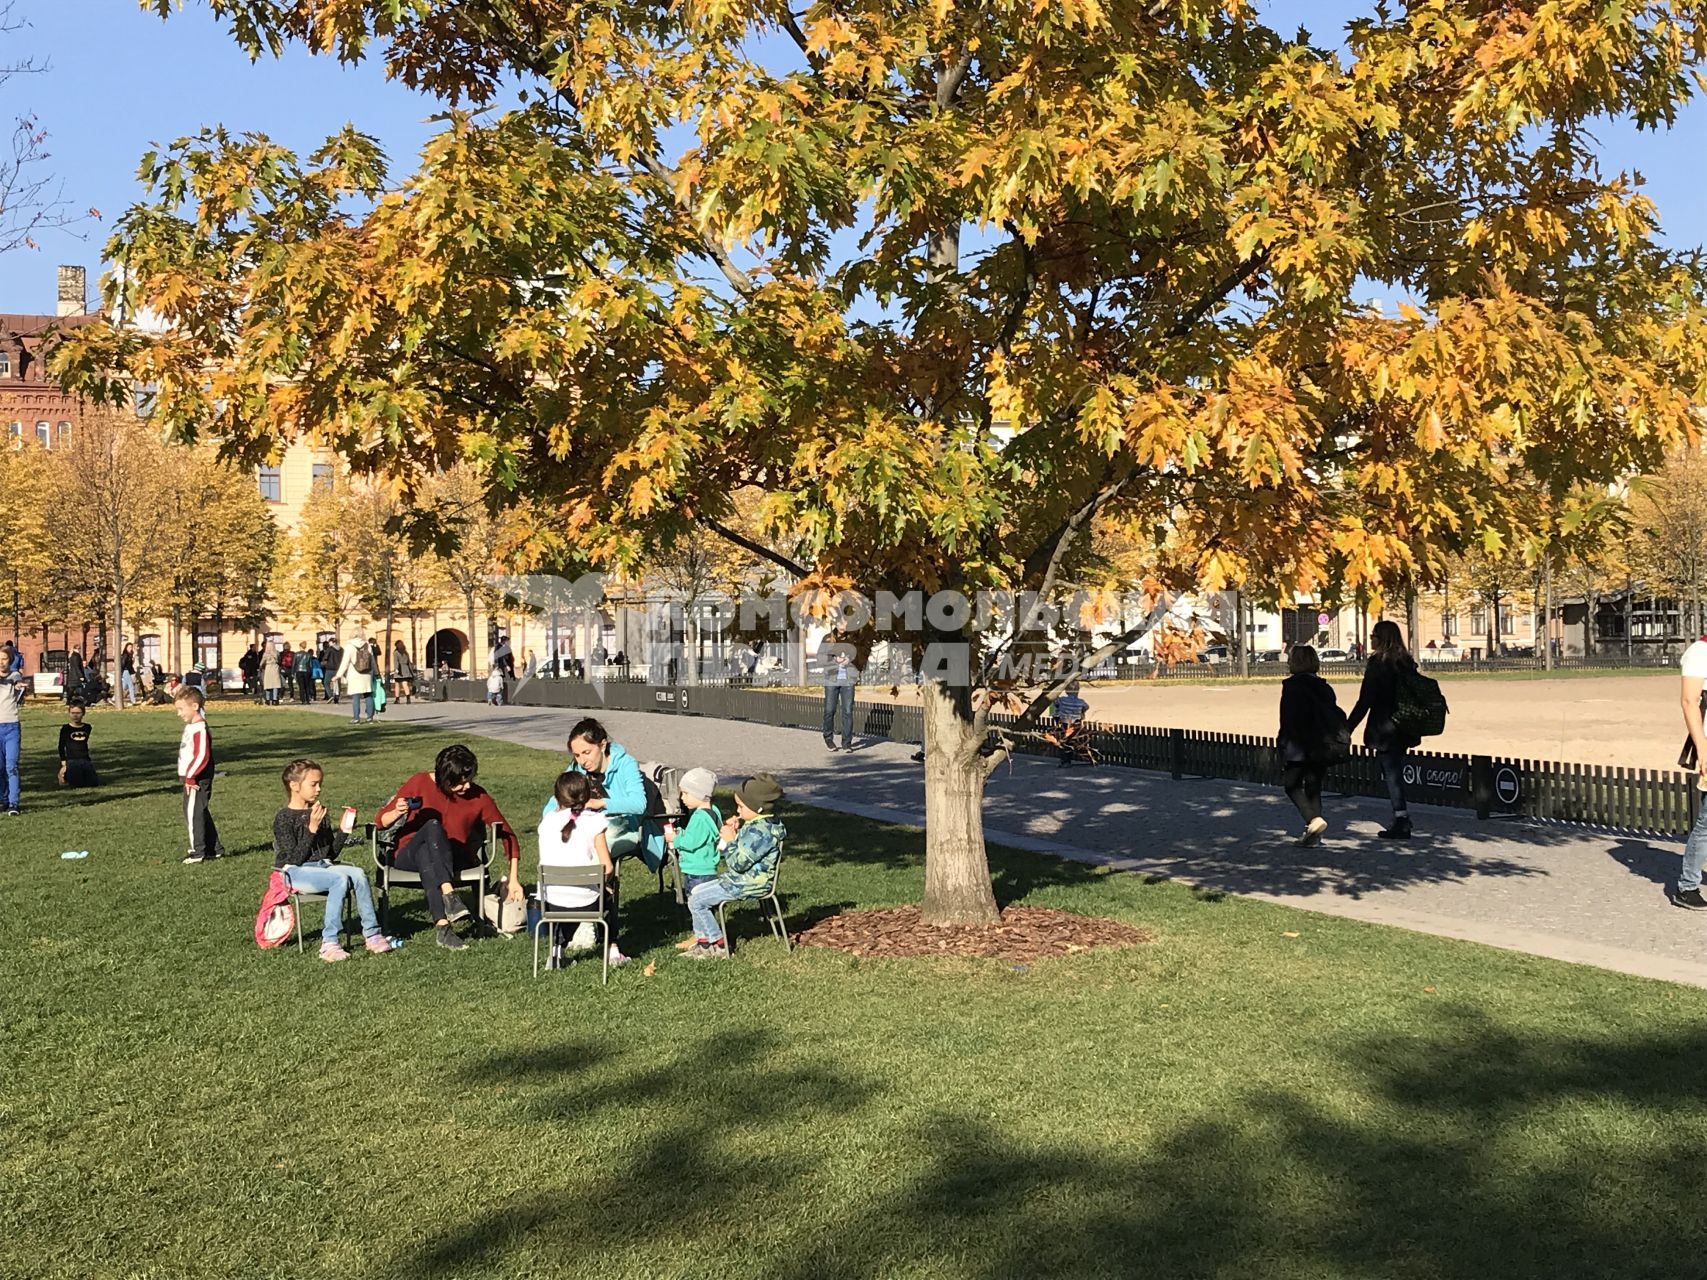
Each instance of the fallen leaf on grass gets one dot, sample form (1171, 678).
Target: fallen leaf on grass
(650, 969)
(1428, 991)
(1290, 933)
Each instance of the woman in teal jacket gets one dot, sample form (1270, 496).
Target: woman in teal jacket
(631, 830)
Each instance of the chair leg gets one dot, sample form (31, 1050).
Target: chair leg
(538, 925)
(296, 914)
(781, 924)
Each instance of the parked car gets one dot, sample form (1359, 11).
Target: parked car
(1334, 655)
(1214, 655)
(1271, 655)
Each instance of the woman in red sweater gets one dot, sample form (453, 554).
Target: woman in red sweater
(443, 809)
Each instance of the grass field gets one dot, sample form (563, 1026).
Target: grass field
(1258, 1093)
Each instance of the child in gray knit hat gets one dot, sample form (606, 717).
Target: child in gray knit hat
(695, 845)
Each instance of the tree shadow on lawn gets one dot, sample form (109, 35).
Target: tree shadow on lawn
(1467, 1151)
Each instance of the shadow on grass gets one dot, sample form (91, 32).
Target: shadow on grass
(1472, 1153)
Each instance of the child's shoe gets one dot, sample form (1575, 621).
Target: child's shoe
(331, 952)
(617, 959)
(718, 950)
(379, 944)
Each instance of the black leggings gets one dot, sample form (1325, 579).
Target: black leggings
(432, 856)
(1303, 783)
(560, 934)
(1393, 774)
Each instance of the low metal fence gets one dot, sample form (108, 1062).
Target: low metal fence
(1644, 801)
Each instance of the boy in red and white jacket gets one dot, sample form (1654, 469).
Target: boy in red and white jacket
(195, 770)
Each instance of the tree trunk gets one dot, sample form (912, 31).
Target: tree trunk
(1588, 623)
(1547, 612)
(957, 872)
(468, 598)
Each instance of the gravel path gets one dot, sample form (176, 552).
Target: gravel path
(1587, 897)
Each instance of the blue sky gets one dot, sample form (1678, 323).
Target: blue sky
(120, 80)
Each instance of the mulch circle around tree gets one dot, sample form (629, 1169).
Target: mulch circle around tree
(1025, 934)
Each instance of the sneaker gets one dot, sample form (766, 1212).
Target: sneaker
(1313, 833)
(1400, 830)
(379, 944)
(617, 959)
(829, 744)
(448, 940)
(331, 952)
(918, 757)
(708, 951)
(12, 812)
(1688, 899)
(688, 944)
(454, 910)
(192, 858)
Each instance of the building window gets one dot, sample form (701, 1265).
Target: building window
(322, 478)
(1449, 625)
(147, 651)
(64, 434)
(5, 364)
(17, 431)
(271, 489)
(1478, 621)
(44, 434)
(1508, 623)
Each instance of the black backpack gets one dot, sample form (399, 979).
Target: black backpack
(1420, 707)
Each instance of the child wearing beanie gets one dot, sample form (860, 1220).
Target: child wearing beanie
(750, 849)
(695, 845)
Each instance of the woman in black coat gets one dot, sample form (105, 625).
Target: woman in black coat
(1310, 719)
(1378, 699)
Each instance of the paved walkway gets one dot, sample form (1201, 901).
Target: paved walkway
(1570, 894)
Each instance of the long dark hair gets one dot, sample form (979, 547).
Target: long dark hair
(1387, 643)
(573, 790)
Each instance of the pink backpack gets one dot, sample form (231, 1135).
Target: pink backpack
(276, 920)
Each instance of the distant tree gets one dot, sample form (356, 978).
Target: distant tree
(30, 199)
(315, 579)
(114, 521)
(224, 543)
(1668, 514)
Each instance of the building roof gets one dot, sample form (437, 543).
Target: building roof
(28, 326)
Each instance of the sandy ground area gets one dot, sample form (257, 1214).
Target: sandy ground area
(1632, 721)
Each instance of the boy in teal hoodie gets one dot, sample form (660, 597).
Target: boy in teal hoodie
(695, 844)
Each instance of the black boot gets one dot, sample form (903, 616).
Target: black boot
(1400, 830)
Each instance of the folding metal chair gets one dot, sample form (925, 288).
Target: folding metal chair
(389, 876)
(299, 896)
(592, 878)
(779, 927)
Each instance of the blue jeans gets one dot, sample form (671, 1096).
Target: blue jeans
(702, 905)
(333, 879)
(690, 883)
(356, 701)
(10, 738)
(1694, 853)
(844, 695)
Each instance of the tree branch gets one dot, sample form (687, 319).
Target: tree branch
(756, 548)
(1218, 294)
(738, 279)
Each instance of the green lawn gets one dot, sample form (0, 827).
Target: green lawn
(1228, 1101)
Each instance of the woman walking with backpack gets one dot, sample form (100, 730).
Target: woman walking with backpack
(1313, 734)
(1389, 660)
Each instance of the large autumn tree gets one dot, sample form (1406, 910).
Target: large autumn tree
(950, 283)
